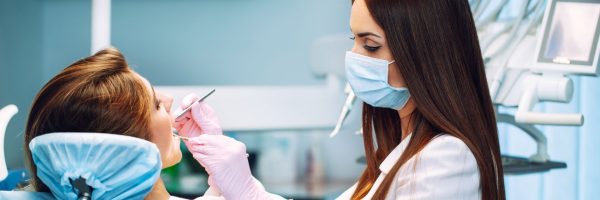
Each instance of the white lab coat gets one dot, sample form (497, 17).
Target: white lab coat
(444, 169)
(212, 194)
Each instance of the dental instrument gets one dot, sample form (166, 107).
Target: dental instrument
(190, 107)
(176, 134)
(345, 110)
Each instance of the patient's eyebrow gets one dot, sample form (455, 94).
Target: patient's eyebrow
(154, 96)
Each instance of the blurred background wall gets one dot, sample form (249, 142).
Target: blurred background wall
(250, 42)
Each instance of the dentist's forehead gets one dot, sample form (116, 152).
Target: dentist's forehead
(361, 19)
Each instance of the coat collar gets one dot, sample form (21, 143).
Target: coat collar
(393, 157)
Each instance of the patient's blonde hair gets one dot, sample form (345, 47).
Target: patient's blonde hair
(99, 93)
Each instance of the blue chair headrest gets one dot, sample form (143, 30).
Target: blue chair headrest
(113, 166)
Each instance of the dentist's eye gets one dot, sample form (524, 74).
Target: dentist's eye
(371, 48)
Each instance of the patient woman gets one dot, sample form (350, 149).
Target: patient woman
(102, 94)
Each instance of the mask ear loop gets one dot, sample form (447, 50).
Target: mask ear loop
(393, 61)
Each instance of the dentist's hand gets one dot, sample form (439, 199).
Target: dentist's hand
(201, 119)
(225, 160)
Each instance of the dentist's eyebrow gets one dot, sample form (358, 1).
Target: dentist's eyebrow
(364, 34)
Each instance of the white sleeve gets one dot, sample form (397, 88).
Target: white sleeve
(205, 197)
(212, 194)
(270, 195)
(347, 195)
(444, 169)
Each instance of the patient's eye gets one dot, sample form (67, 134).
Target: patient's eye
(157, 103)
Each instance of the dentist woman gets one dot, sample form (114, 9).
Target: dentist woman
(429, 126)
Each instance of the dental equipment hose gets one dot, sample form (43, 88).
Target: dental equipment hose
(345, 110)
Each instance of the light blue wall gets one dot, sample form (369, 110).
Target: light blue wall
(66, 36)
(20, 67)
(185, 42)
(588, 176)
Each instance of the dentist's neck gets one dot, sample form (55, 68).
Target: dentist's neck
(159, 191)
(406, 114)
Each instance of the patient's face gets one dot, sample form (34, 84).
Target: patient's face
(160, 128)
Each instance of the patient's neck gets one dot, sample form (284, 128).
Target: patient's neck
(159, 191)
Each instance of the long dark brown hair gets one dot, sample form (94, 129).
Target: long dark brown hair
(99, 93)
(437, 51)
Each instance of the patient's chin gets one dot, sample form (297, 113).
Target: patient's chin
(172, 159)
(170, 152)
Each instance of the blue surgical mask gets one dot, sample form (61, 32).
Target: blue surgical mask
(368, 78)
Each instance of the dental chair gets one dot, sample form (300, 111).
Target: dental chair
(6, 114)
(86, 166)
